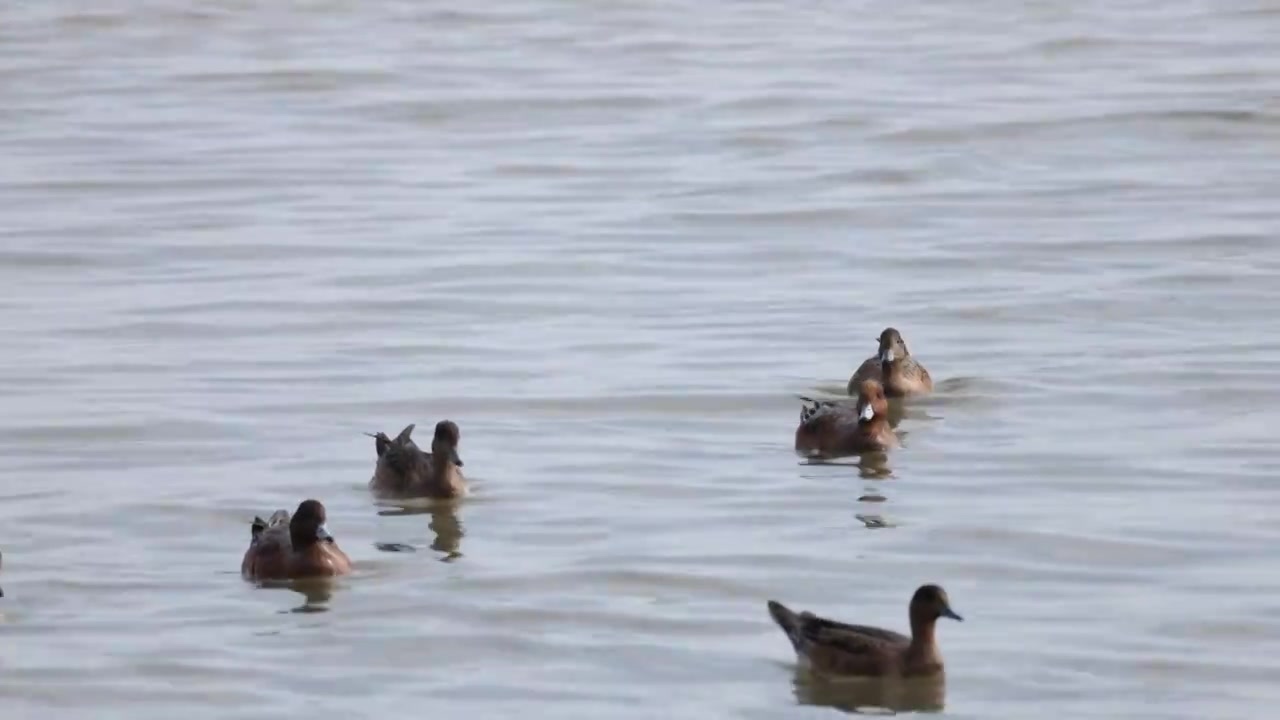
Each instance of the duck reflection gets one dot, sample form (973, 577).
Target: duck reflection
(874, 466)
(316, 592)
(444, 523)
(871, 696)
(448, 529)
(898, 412)
(871, 465)
(316, 595)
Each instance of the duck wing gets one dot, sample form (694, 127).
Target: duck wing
(272, 531)
(819, 627)
(835, 648)
(268, 547)
(380, 442)
(870, 369)
(917, 371)
(402, 467)
(824, 415)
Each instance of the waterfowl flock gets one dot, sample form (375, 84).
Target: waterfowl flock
(298, 546)
(831, 429)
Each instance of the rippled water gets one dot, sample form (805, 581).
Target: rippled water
(612, 241)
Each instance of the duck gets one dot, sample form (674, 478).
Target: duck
(900, 373)
(828, 429)
(403, 470)
(829, 648)
(290, 548)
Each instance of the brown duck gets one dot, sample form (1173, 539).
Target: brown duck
(829, 429)
(894, 367)
(403, 470)
(831, 648)
(288, 548)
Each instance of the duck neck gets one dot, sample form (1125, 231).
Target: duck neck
(872, 426)
(302, 539)
(922, 629)
(445, 476)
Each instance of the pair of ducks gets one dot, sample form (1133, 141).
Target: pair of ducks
(296, 547)
(828, 429)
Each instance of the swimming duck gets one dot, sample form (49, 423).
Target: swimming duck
(894, 367)
(827, 647)
(828, 429)
(403, 470)
(285, 548)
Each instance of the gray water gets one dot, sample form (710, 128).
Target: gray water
(612, 241)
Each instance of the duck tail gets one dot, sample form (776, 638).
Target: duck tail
(813, 408)
(380, 442)
(787, 620)
(259, 526)
(403, 437)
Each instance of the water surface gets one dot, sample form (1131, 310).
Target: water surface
(612, 241)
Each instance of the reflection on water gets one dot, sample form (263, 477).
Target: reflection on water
(871, 696)
(873, 522)
(874, 466)
(870, 465)
(448, 530)
(444, 524)
(315, 592)
(613, 277)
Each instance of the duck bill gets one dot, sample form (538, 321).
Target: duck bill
(322, 533)
(886, 355)
(453, 457)
(949, 613)
(866, 413)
